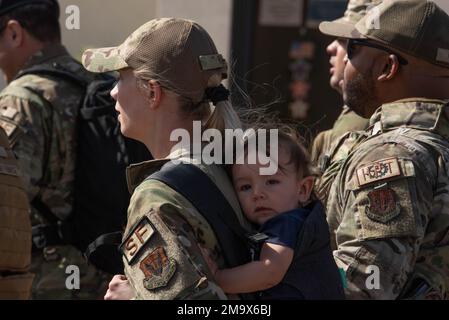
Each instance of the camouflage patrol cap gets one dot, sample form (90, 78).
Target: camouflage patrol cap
(357, 10)
(179, 51)
(9, 5)
(416, 27)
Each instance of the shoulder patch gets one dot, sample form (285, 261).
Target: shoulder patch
(8, 127)
(158, 269)
(136, 239)
(383, 205)
(378, 171)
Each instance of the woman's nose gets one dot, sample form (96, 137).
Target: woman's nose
(114, 92)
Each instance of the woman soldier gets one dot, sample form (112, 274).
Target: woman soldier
(169, 71)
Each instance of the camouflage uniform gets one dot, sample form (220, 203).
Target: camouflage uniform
(178, 230)
(348, 121)
(388, 204)
(15, 228)
(39, 115)
(161, 244)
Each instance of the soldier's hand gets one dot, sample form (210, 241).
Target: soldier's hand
(119, 289)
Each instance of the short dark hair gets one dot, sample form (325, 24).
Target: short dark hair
(41, 20)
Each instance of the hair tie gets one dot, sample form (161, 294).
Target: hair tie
(217, 94)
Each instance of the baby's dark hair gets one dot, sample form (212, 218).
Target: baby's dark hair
(291, 141)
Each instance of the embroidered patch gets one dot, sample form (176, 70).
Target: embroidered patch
(382, 205)
(378, 171)
(9, 170)
(8, 127)
(136, 239)
(158, 269)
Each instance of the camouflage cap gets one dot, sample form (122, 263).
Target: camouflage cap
(356, 10)
(416, 27)
(8, 5)
(179, 51)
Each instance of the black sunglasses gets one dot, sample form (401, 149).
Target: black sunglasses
(352, 43)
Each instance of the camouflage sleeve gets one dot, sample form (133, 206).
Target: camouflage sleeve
(319, 145)
(23, 121)
(161, 254)
(386, 206)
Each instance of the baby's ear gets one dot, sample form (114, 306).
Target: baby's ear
(305, 189)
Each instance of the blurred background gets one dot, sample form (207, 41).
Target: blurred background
(277, 54)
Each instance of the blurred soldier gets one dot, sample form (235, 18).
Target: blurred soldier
(348, 120)
(388, 205)
(38, 113)
(15, 228)
(325, 154)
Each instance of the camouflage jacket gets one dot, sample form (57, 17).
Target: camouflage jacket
(164, 225)
(15, 228)
(388, 205)
(39, 114)
(348, 121)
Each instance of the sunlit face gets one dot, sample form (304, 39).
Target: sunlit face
(337, 52)
(132, 105)
(359, 91)
(264, 197)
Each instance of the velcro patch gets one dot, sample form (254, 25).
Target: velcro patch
(383, 206)
(158, 269)
(8, 127)
(378, 171)
(9, 170)
(10, 113)
(137, 239)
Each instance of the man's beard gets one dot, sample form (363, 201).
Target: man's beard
(360, 94)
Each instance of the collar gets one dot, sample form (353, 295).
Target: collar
(137, 173)
(415, 113)
(49, 52)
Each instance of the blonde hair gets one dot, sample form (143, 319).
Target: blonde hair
(222, 116)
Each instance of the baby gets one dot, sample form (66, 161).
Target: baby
(295, 260)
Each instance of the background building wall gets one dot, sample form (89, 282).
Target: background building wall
(108, 23)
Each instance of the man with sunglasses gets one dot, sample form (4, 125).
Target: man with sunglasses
(348, 120)
(388, 204)
(349, 123)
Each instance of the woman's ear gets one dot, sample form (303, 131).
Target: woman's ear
(305, 189)
(389, 67)
(155, 93)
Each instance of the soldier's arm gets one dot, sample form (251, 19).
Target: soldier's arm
(161, 255)
(387, 203)
(24, 124)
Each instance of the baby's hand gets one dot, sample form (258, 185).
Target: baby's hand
(119, 289)
(211, 263)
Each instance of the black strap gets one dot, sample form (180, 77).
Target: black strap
(104, 254)
(57, 71)
(113, 239)
(191, 182)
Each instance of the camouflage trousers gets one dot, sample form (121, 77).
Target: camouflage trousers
(56, 270)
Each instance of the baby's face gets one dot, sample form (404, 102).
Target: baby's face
(264, 197)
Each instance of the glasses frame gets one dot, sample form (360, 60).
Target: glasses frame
(352, 42)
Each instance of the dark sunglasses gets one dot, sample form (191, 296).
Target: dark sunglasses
(352, 43)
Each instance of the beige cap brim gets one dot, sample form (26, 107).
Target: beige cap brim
(340, 30)
(103, 60)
